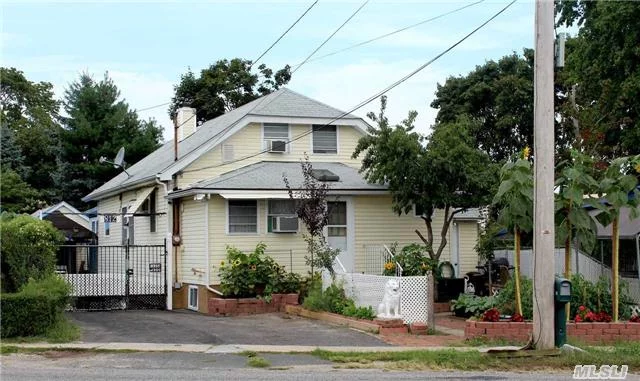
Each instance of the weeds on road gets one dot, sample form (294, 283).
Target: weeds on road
(258, 362)
(63, 331)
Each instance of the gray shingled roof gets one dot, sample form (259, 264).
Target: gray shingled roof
(268, 175)
(284, 103)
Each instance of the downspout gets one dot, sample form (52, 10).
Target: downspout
(169, 249)
(207, 256)
(638, 253)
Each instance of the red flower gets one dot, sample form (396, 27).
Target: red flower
(517, 317)
(603, 317)
(578, 319)
(582, 308)
(491, 315)
(635, 319)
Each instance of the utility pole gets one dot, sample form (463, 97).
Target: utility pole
(543, 150)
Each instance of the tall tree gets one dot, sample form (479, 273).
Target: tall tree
(224, 86)
(446, 173)
(30, 131)
(603, 67)
(17, 195)
(99, 123)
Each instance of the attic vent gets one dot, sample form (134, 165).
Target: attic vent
(227, 152)
(324, 175)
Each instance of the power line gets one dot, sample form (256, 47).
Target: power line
(330, 36)
(371, 98)
(393, 32)
(283, 34)
(152, 107)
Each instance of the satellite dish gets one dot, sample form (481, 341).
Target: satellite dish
(117, 162)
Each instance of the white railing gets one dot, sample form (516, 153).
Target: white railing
(368, 290)
(376, 256)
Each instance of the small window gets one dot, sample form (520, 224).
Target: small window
(94, 226)
(107, 228)
(152, 211)
(325, 139)
(243, 216)
(275, 133)
(193, 298)
(337, 225)
(279, 208)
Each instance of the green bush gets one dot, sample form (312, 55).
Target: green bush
(28, 250)
(597, 296)
(34, 310)
(470, 305)
(333, 299)
(359, 312)
(310, 281)
(414, 261)
(254, 274)
(506, 299)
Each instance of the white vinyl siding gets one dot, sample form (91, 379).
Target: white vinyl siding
(242, 216)
(325, 139)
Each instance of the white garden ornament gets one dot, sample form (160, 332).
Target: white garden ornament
(390, 306)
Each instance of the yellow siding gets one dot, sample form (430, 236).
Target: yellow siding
(192, 250)
(248, 141)
(468, 231)
(377, 224)
(142, 234)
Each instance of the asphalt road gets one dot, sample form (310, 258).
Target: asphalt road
(194, 367)
(186, 327)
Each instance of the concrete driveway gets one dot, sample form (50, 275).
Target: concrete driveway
(186, 327)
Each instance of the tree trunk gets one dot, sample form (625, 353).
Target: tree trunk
(614, 267)
(517, 270)
(567, 265)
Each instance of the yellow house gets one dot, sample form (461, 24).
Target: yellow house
(222, 185)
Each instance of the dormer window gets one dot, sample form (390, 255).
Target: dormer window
(275, 137)
(325, 139)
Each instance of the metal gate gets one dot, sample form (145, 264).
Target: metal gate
(114, 277)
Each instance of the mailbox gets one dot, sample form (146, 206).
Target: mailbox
(562, 296)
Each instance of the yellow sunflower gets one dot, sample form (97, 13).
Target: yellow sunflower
(526, 152)
(389, 266)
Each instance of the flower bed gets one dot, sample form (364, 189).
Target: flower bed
(250, 306)
(587, 332)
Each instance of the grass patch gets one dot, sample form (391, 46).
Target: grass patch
(623, 353)
(258, 362)
(64, 331)
(248, 354)
(481, 341)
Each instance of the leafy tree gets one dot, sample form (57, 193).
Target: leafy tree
(515, 199)
(311, 207)
(603, 66)
(30, 131)
(446, 173)
(99, 123)
(619, 187)
(17, 195)
(224, 86)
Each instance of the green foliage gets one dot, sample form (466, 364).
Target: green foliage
(414, 261)
(618, 185)
(258, 362)
(597, 296)
(471, 305)
(309, 282)
(17, 195)
(366, 313)
(320, 254)
(247, 275)
(34, 310)
(29, 250)
(445, 173)
(488, 242)
(99, 123)
(332, 299)
(515, 195)
(224, 86)
(505, 301)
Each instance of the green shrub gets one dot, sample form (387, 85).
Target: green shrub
(414, 261)
(255, 274)
(597, 296)
(310, 281)
(332, 299)
(506, 299)
(359, 312)
(28, 250)
(38, 307)
(470, 305)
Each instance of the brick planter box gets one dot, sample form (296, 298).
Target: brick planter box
(592, 333)
(250, 306)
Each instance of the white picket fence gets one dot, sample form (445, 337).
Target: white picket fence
(416, 300)
(590, 268)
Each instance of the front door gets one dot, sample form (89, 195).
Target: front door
(338, 234)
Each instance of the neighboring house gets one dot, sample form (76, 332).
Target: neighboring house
(222, 185)
(74, 225)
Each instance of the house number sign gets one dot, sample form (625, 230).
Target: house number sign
(110, 218)
(154, 267)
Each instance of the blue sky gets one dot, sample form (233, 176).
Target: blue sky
(146, 46)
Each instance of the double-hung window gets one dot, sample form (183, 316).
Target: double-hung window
(243, 217)
(279, 208)
(325, 139)
(276, 136)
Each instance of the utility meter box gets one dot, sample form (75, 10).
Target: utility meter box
(562, 296)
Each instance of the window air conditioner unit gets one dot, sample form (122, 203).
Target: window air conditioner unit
(277, 146)
(284, 224)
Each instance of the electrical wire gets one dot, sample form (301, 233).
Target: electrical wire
(392, 33)
(283, 34)
(152, 107)
(330, 36)
(371, 98)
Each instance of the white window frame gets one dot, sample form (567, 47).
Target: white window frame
(337, 141)
(107, 228)
(346, 219)
(257, 219)
(288, 138)
(193, 307)
(268, 215)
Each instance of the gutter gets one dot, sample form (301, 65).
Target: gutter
(338, 192)
(638, 253)
(169, 249)
(116, 191)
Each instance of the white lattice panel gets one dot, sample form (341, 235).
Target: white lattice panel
(368, 290)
